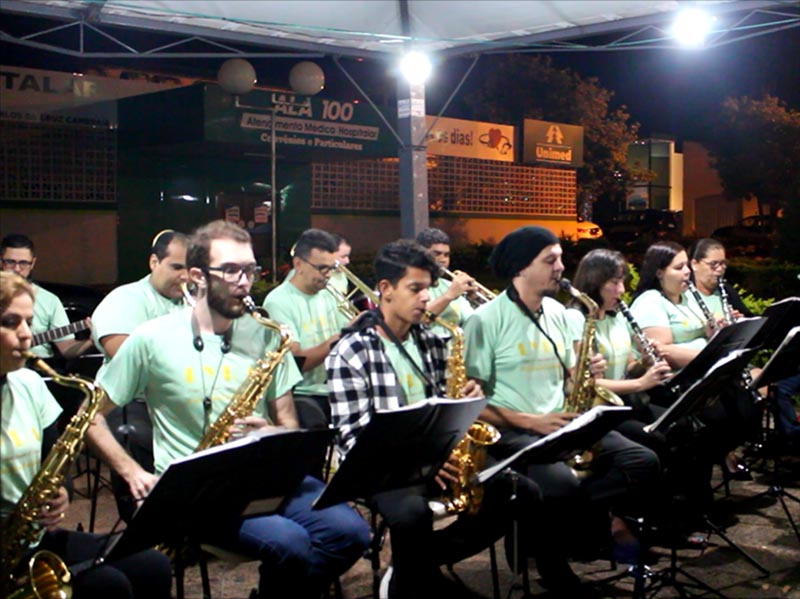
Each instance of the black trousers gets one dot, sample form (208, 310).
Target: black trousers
(418, 550)
(143, 575)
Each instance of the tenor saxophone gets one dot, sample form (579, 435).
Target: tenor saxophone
(21, 530)
(470, 453)
(252, 389)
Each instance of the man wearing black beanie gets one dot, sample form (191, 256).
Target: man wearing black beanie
(519, 347)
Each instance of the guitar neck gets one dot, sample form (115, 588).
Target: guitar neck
(58, 333)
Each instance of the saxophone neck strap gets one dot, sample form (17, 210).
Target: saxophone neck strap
(415, 336)
(199, 346)
(514, 296)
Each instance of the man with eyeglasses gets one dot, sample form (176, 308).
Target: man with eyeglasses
(311, 313)
(18, 256)
(189, 365)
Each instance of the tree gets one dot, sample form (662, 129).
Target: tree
(755, 147)
(541, 91)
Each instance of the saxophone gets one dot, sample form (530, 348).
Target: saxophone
(252, 389)
(470, 453)
(585, 393)
(47, 575)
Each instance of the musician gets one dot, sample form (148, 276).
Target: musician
(708, 267)
(343, 251)
(310, 311)
(29, 415)
(18, 256)
(519, 347)
(601, 275)
(368, 370)
(115, 318)
(663, 307)
(668, 314)
(448, 299)
(189, 365)
(156, 294)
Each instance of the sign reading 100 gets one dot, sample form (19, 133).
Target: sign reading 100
(332, 110)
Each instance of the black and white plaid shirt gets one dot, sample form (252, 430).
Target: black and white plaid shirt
(361, 379)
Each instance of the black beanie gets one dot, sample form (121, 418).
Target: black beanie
(518, 249)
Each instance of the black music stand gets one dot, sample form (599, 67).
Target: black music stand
(723, 371)
(781, 317)
(250, 476)
(781, 365)
(401, 448)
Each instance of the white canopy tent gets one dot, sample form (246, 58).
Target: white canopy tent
(375, 29)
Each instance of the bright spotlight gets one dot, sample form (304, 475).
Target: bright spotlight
(691, 27)
(415, 67)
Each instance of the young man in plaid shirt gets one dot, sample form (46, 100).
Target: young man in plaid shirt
(368, 371)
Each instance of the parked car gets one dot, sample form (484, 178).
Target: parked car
(751, 235)
(588, 230)
(649, 224)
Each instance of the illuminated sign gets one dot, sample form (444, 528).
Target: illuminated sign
(470, 139)
(553, 143)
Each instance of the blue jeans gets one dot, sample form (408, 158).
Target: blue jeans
(301, 550)
(785, 413)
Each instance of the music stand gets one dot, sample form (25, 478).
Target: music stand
(580, 433)
(401, 448)
(781, 365)
(250, 476)
(691, 402)
(781, 317)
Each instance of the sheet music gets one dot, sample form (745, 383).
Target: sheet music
(431, 401)
(776, 356)
(574, 425)
(676, 404)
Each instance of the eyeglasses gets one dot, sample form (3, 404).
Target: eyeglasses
(715, 264)
(21, 263)
(232, 273)
(323, 269)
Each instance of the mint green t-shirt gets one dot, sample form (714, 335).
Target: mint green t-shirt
(28, 408)
(312, 319)
(457, 311)
(160, 363)
(713, 302)
(48, 313)
(612, 340)
(409, 378)
(652, 309)
(128, 306)
(507, 351)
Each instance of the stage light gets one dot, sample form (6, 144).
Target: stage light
(415, 67)
(691, 27)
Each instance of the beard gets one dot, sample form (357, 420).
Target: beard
(222, 301)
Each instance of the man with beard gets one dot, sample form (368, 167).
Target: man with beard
(519, 347)
(188, 365)
(18, 256)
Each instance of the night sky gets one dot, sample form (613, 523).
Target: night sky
(671, 92)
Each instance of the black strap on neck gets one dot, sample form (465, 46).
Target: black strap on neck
(225, 347)
(414, 335)
(197, 340)
(513, 295)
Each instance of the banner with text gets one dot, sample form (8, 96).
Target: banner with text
(552, 143)
(302, 124)
(470, 139)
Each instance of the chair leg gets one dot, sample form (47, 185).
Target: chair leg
(203, 564)
(495, 573)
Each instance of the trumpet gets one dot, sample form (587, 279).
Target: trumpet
(480, 295)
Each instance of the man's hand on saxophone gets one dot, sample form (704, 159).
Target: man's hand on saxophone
(54, 510)
(472, 389)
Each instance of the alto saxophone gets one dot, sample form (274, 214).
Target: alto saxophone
(246, 398)
(21, 529)
(470, 453)
(585, 393)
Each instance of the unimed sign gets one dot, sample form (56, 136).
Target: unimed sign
(552, 143)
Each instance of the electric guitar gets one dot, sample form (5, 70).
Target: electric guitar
(58, 333)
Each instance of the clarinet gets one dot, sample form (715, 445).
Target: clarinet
(711, 321)
(727, 312)
(746, 378)
(643, 341)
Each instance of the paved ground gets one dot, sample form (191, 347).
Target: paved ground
(761, 528)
